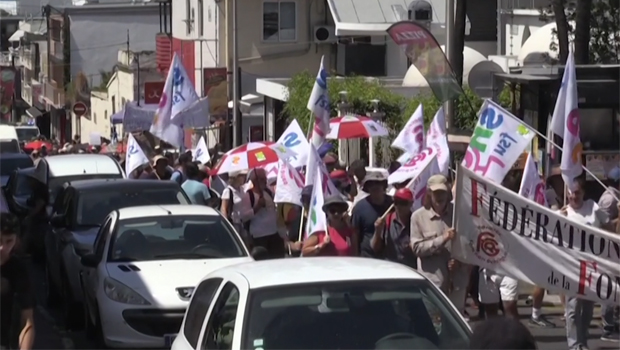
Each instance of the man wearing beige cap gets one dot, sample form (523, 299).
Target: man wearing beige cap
(431, 233)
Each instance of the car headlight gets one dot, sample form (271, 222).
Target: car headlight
(119, 292)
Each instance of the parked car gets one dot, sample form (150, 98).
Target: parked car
(146, 262)
(18, 191)
(78, 212)
(54, 171)
(320, 303)
(9, 162)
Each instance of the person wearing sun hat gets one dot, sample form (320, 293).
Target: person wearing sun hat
(367, 210)
(339, 240)
(391, 239)
(431, 234)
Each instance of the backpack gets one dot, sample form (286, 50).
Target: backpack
(231, 202)
(246, 225)
(251, 194)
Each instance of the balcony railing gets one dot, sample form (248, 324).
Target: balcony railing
(56, 49)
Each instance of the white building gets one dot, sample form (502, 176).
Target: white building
(84, 40)
(126, 84)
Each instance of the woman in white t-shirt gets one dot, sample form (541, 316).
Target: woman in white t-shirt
(234, 206)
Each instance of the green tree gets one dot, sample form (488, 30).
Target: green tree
(397, 108)
(599, 27)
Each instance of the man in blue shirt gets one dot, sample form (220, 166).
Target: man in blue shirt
(197, 191)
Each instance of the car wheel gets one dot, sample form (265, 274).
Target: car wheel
(51, 294)
(71, 310)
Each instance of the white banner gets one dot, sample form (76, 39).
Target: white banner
(289, 185)
(413, 167)
(502, 231)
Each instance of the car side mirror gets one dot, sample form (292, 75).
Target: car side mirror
(57, 220)
(90, 260)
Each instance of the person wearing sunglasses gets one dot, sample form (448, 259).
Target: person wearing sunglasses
(339, 240)
(392, 233)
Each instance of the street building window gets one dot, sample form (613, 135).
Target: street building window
(279, 21)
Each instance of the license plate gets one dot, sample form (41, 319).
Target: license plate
(169, 339)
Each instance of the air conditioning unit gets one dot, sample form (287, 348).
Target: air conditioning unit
(324, 34)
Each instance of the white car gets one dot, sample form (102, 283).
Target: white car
(320, 303)
(145, 264)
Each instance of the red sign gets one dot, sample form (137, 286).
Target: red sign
(152, 92)
(79, 109)
(7, 89)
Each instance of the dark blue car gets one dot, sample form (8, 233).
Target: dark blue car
(9, 162)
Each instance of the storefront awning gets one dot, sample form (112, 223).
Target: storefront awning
(17, 35)
(366, 18)
(33, 112)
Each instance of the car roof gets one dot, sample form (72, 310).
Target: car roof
(167, 209)
(74, 164)
(116, 183)
(278, 272)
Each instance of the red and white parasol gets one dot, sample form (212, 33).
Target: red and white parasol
(252, 155)
(355, 126)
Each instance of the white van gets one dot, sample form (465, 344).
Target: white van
(9, 142)
(56, 170)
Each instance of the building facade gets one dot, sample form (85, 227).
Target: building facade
(78, 51)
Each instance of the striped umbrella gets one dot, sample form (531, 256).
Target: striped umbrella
(252, 155)
(355, 126)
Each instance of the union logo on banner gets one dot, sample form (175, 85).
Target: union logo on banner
(152, 92)
(489, 246)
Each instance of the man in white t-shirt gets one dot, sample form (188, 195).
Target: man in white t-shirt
(579, 311)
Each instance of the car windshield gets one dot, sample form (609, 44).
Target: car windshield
(174, 237)
(9, 165)
(27, 134)
(94, 206)
(386, 314)
(55, 183)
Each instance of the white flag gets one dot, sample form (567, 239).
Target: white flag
(567, 111)
(437, 137)
(497, 142)
(135, 156)
(201, 153)
(317, 166)
(532, 185)
(288, 185)
(411, 138)
(293, 137)
(317, 221)
(318, 104)
(178, 94)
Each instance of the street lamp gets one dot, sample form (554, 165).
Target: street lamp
(377, 116)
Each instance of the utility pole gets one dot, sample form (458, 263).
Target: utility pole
(236, 118)
(449, 105)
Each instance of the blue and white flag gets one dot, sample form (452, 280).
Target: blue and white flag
(178, 95)
(318, 104)
(201, 153)
(135, 156)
